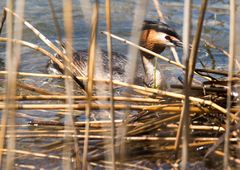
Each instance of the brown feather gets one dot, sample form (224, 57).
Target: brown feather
(149, 40)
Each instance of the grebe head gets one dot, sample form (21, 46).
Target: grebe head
(157, 35)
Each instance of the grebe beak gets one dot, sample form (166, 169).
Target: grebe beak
(177, 43)
(180, 44)
(174, 41)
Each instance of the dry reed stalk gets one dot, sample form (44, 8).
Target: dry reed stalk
(173, 109)
(13, 59)
(43, 51)
(41, 36)
(91, 64)
(56, 23)
(161, 16)
(34, 89)
(186, 35)
(179, 96)
(159, 12)
(9, 93)
(161, 93)
(219, 72)
(111, 157)
(49, 44)
(24, 166)
(192, 145)
(127, 165)
(196, 40)
(148, 90)
(108, 137)
(173, 95)
(145, 50)
(184, 121)
(39, 75)
(69, 121)
(36, 154)
(151, 125)
(130, 69)
(150, 52)
(139, 15)
(16, 125)
(35, 47)
(94, 124)
(232, 52)
(70, 132)
(63, 97)
(3, 19)
(200, 127)
(190, 67)
(220, 153)
(211, 45)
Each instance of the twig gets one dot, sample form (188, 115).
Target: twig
(166, 93)
(104, 98)
(56, 23)
(183, 118)
(190, 64)
(49, 44)
(91, 64)
(109, 47)
(34, 89)
(3, 19)
(8, 115)
(69, 120)
(211, 45)
(130, 69)
(232, 49)
(161, 16)
(37, 48)
(164, 108)
(35, 154)
(149, 52)
(220, 153)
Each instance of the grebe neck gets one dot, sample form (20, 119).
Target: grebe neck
(153, 76)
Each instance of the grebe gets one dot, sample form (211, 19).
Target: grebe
(156, 36)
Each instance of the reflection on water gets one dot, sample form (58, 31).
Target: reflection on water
(216, 27)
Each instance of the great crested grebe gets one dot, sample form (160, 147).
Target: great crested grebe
(156, 36)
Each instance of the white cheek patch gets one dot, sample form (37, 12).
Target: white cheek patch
(162, 37)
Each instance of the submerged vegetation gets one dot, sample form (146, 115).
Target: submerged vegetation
(74, 121)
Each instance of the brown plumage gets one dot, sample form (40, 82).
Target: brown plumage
(149, 40)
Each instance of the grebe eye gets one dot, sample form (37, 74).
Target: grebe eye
(167, 37)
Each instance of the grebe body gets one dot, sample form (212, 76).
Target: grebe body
(156, 36)
(80, 59)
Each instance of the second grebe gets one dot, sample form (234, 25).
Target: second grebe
(156, 36)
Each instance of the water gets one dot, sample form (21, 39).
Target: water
(215, 30)
(38, 14)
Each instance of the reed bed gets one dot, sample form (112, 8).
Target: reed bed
(87, 122)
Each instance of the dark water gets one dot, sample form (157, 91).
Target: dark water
(215, 30)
